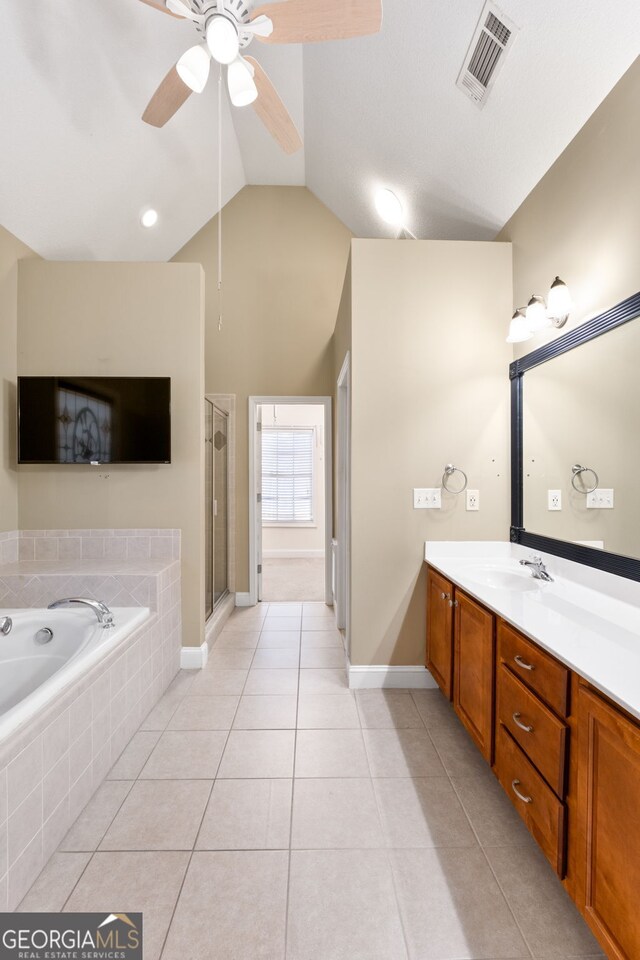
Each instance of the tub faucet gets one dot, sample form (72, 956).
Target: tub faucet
(101, 610)
(538, 569)
(5, 625)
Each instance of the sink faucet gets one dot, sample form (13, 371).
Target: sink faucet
(101, 610)
(5, 625)
(538, 569)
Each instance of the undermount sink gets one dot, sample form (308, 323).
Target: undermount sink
(500, 579)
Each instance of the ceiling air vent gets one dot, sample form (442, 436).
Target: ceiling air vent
(492, 38)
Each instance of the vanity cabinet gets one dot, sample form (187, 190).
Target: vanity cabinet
(608, 830)
(473, 670)
(440, 631)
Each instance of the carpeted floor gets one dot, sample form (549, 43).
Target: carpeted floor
(293, 579)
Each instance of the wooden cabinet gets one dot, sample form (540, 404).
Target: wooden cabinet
(608, 827)
(568, 758)
(439, 631)
(473, 670)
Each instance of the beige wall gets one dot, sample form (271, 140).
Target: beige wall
(116, 319)
(284, 262)
(281, 539)
(429, 386)
(582, 220)
(11, 251)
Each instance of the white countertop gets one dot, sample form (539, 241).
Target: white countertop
(588, 619)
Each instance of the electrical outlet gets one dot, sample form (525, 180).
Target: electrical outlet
(554, 499)
(427, 498)
(473, 499)
(600, 499)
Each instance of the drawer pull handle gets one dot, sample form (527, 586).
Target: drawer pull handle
(444, 596)
(453, 603)
(520, 796)
(523, 726)
(523, 663)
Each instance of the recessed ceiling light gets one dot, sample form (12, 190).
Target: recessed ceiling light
(149, 218)
(389, 207)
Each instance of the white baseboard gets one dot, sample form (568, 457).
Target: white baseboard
(292, 554)
(194, 658)
(243, 600)
(376, 677)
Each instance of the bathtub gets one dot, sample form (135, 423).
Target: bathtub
(33, 674)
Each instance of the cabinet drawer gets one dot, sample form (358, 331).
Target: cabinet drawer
(531, 724)
(537, 669)
(536, 803)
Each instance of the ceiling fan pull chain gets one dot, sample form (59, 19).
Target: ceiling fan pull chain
(220, 197)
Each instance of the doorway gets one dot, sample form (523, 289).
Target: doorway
(290, 499)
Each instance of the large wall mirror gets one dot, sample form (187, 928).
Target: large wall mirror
(575, 470)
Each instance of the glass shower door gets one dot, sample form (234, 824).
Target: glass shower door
(220, 505)
(208, 506)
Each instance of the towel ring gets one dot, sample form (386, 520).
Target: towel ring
(449, 470)
(577, 471)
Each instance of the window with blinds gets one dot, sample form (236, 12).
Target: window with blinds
(287, 475)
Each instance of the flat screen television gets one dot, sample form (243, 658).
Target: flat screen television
(94, 420)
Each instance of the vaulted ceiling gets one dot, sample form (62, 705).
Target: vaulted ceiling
(77, 165)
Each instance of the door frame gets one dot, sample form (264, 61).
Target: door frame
(327, 403)
(343, 494)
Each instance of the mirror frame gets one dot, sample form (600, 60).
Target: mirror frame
(622, 566)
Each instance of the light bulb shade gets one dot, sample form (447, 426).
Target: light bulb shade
(537, 314)
(149, 218)
(559, 302)
(519, 329)
(389, 207)
(222, 39)
(242, 88)
(193, 68)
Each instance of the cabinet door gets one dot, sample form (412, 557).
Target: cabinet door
(474, 662)
(439, 631)
(608, 826)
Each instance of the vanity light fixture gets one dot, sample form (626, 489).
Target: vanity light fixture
(519, 329)
(149, 218)
(538, 315)
(559, 303)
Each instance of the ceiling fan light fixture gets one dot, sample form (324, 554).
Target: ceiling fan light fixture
(389, 207)
(242, 87)
(193, 67)
(223, 39)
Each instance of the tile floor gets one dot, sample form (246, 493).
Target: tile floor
(264, 811)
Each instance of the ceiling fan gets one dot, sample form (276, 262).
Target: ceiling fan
(227, 27)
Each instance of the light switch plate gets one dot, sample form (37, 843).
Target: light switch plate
(427, 498)
(473, 499)
(600, 499)
(554, 499)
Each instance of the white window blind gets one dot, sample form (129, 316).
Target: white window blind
(287, 475)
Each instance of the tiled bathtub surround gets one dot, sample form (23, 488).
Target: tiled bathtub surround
(99, 544)
(9, 546)
(50, 768)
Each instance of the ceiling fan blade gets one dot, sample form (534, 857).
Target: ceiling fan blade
(308, 21)
(273, 112)
(159, 5)
(167, 100)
